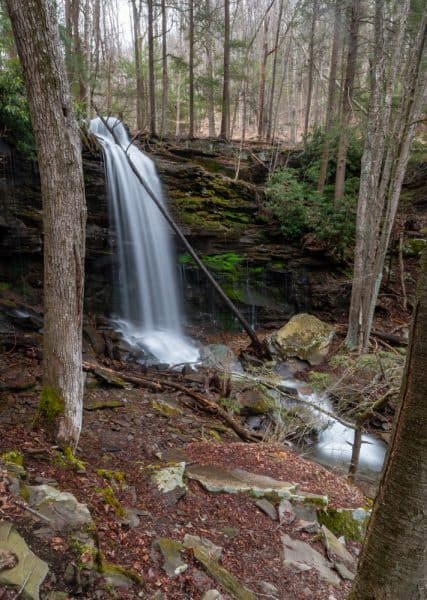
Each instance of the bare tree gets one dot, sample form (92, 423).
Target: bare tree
(225, 118)
(332, 96)
(386, 153)
(353, 23)
(64, 212)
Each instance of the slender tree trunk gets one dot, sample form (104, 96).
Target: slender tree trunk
(262, 76)
(310, 69)
(64, 211)
(393, 565)
(353, 24)
(225, 118)
(97, 37)
(136, 13)
(210, 90)
(383, 169)
(270, 118)
(332, 94)
(178, 107)
(191, 72)
(165, 78)
(151, 78)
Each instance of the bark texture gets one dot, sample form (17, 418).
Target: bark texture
(393, 565)
(64, 210)
(225, 117)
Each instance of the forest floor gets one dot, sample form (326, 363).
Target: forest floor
(137, 438)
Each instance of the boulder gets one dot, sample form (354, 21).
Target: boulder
(26, 572)
(349, 522)
(305, 337)
(62, 509)
(255, 402)
(169, 478)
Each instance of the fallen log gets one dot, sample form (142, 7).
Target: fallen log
(202, 402)
(390, 338)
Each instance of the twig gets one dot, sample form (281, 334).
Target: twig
(26, 580)
(31, 510)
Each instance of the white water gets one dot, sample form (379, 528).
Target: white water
(335, 441)
(149, 311)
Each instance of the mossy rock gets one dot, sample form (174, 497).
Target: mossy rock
(351, 523)
(414, 246)
(223, 577)
(255, 401)
(13, 457)
(305, 337)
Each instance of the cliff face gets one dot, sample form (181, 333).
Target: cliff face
(222, 218)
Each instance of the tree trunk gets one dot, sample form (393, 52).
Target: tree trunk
(331, 104)
(151, 79)
(225, 118)
(64, 211)
(383, 168)
(262, 76)
(346, 112)
(136, 13)
(393, 565)
(191, 72)
(310, 69)
(270, 118)
(165, 78)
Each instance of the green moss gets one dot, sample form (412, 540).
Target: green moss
(13, 457)
(51, 404)
(24, 492)
(110, 498)
(342, 522)
(319, 381)
(230, 404)
(112, 569)
(4, 286)
(77, 464)
(112, 476)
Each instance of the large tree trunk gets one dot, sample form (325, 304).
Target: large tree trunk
(64, 211)
(332, 94)
(225, 118)
(393, 565)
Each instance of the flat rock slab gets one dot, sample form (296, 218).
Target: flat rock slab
(267, 508)
(170, 478)
(223, 577)
(236, 481)
(62, 509)
(170, 549)
(334, 548)
(301, 556)
(194, 541)
(29, 571)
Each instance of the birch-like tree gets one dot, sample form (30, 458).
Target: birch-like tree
(398, 68)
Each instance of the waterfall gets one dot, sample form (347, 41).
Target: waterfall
(149, 308)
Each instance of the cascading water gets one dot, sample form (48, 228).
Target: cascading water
(149, 312)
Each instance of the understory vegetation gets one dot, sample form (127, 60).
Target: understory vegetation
(299, 209)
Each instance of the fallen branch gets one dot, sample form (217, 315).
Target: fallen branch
(202, 402)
